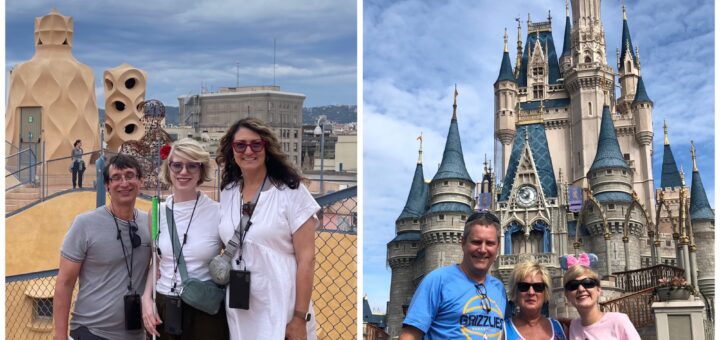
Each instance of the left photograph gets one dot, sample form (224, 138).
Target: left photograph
(181, 170)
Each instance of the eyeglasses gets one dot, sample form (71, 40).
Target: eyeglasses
(129, 176)
(484, 214)
(482, 293)
(191, 167)
(255, 146)
(538, 287)
(587, 283)
(134, 237)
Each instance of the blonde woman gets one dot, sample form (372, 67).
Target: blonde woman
(530, 288)
(582, 290)
(196, 219)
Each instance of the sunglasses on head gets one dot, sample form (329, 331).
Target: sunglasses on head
(525, 286)
(484, 214)
(255, 146)
(587, 283)
(191, 167)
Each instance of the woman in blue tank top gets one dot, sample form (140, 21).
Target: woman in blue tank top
(530, 288)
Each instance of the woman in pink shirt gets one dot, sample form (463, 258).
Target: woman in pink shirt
(582, 290)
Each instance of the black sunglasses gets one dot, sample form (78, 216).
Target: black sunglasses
(525, 286)
(587, 283)
(134, 237)
(484, 214)
(482, 293)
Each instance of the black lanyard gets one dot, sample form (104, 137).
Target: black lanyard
(250, 207)
(129, 267)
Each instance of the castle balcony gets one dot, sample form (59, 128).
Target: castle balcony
(506, 263)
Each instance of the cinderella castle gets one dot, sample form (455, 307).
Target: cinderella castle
(573, 174)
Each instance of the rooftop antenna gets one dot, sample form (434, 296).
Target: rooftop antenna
(274, 54)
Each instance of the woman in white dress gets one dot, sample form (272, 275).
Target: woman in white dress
(196, 219)
(278, 246)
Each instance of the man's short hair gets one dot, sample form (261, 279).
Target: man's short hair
(121, 161)
(483, 218)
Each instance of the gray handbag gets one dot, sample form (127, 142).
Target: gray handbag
(201, 295)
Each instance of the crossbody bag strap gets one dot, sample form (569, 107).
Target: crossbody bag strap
(176, 244)
(235, 243)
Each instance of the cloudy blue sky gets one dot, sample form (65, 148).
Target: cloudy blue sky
(182, 44)
(415, 51)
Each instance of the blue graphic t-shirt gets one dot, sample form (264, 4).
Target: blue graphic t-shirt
(447, 305)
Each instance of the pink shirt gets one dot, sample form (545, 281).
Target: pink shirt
(611, 326)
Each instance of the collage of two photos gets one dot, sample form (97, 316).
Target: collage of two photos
(526, 169)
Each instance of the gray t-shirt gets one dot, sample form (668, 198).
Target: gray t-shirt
(92, 241)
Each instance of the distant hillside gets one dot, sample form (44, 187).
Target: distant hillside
(171, 114)
(335, 113)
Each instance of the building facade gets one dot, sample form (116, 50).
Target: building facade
(560, 130)
(210, 114)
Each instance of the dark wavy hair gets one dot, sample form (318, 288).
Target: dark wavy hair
(279, 169)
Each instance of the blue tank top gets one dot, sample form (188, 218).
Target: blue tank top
(511, 332)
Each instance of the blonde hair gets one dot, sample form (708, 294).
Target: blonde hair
(192, 150)
(578, 270)
(530, 268)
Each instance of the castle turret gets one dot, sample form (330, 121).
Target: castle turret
(669, 177)
(610, 180)
(590, 83)
(628, 69)
(402, 250)
(450, 204)
(566, 56)
(506, 98)
(703, 224)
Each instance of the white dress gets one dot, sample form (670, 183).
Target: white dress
(269, 255)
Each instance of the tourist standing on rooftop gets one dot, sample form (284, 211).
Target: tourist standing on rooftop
(188, 231)
(109, 254)
(78, 165)
(263, 198)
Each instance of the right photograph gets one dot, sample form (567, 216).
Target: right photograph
(538, 169)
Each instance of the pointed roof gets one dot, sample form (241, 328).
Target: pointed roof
(608, 151)
(626, 44)
(547, 43)
(418, 196)
(669, 177)
(700, 209)
(537, 140)
(640, 94)
(566, 41)
(506, 72)
(453, 162)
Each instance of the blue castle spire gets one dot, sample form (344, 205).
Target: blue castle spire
(626, 43)
(640, 93)
(566, 42)
(670, 176)
(453, 162)
(700, 209)
(608, 151)
(418, 196)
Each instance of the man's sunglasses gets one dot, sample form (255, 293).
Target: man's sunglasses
(482, 294)
(134, 237)
(192, 167)
(525, 286)
(484, 214)
(587, 283)
(255, 146)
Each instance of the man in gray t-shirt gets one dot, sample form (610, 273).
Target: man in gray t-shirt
(108, 250)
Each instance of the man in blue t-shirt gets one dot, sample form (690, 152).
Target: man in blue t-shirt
(462, 301)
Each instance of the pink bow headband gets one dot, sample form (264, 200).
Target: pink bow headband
(584, 259)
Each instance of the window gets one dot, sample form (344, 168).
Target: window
(446, 183)
(626, 156)
(611, 206)
(538, 71)
(538, 91)
(441, 217)
(415, 220)
(609, 172)
(667, 243)
(462, 184)
(413, 245)
(42, 308)
(462, 217)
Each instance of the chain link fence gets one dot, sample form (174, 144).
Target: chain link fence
(29, 297)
